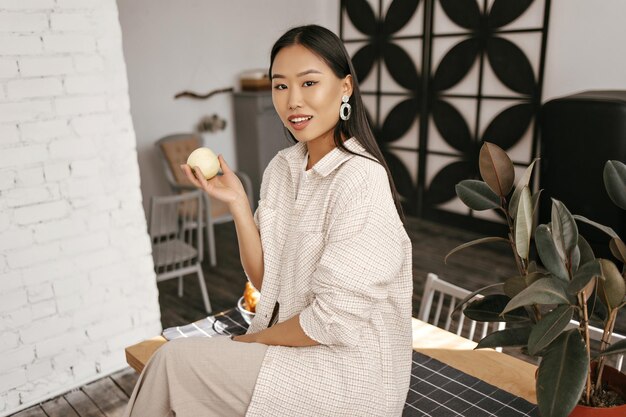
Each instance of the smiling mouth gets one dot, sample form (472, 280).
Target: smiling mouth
(300, 120)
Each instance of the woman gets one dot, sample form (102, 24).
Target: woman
(327, 250)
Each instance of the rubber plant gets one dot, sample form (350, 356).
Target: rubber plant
(539, 303)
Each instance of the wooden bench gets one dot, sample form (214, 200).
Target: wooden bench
(498, 369)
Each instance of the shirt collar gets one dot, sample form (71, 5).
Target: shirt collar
(332, 160)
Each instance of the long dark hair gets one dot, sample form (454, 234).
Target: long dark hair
(325, 44)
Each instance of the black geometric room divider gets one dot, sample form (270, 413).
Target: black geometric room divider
(440, 76)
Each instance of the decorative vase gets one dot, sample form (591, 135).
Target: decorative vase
(616, 380)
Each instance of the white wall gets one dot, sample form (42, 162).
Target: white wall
(202, 45)
(198, 45)
(76, 278)
(205, 44)
(586, 44)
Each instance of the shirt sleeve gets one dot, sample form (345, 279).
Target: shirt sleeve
(363, 254)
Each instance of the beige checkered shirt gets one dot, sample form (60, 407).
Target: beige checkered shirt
(335, 252)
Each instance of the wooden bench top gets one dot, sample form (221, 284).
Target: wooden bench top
(498, 369)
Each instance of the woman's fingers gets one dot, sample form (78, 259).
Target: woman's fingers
(190, 175)
(214, 187)
(200, 178)
(223, 164)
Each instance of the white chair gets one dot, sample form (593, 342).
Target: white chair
(173, 151)
(175, 227)
(450, 294)
(595, 333)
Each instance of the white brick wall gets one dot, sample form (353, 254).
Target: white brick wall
(76, 278)
(23, 22)
(39, 66)
(34, 87)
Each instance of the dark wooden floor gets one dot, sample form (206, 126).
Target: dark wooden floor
(104, 397)
(472, 269)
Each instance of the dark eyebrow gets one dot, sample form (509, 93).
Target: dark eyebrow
(300, 74)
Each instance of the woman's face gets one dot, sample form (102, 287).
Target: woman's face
(306, 93)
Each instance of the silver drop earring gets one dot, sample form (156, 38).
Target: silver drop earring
(346, 109)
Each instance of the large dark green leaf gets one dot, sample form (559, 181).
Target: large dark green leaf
(523, 224)
(618, 347)
(562, 374)
(496, 169)
(515, 285)
(575, 259)
(549, 328)
(477, 195)
(598, 226)
(475, 242)
(489, 308)
(464, 301)
(564, 229)
(615, 182)
(548, 253)
(513, 337)
(523, 182)
(544, 291)
(618, 249)
(583, 276)
(532, 277)
(586, 253)
(612, 287)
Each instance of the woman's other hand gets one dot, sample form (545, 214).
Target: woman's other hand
(226, 187)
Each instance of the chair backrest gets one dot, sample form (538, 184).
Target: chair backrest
(449, 296)
(175, 227)
(595, 333)
(174, 151)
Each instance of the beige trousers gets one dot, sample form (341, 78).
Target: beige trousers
(198, 377)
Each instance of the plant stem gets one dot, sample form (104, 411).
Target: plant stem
(521, 266)
(584, 325)
(537, 312)
(608, 330)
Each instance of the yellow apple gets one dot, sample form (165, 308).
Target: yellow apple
(205, 159)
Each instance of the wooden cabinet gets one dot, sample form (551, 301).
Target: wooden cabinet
(259, 135)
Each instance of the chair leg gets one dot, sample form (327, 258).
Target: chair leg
(180, 286)
(210, 233)
(210, 237)
(205, 294)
